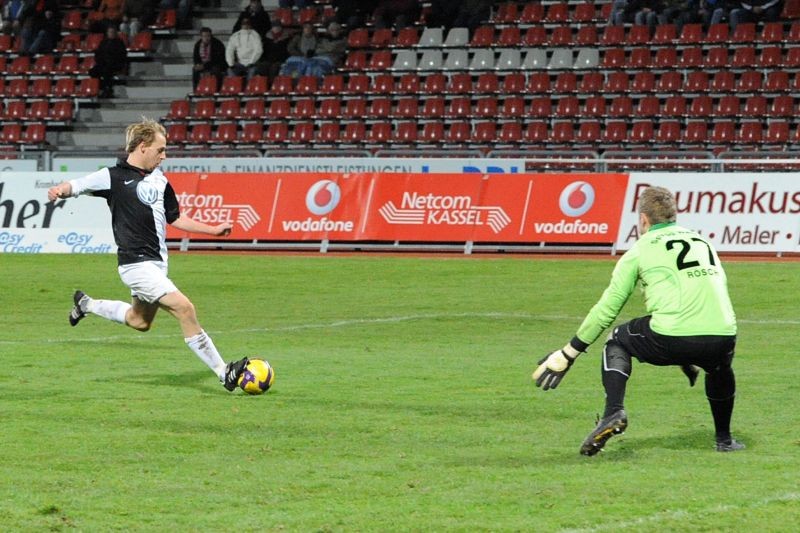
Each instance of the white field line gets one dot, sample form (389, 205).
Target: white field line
(653, 519)
(128, 335)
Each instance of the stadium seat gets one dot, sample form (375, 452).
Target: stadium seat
(380, 108)
(35, 133)
(302, 133)
(717, 34)
(612, 36)
(11, 133)
(566, 83)
(229, 109)
(514, 83)
(433, 107)
(487, 83)
(696, 82)
(44, 64)
(509, 59)
(691, 57)
(664, 34)
(307, 15)
(560, 59)
(41, 87)
(594, 107)
(458, 132)
(203, 109)
(407, 107)
(458, 37)
(665, 58)
(459, 107)
(64, 87)
(231, 86)
(432, 38)
(716, 58)
(541, 107)
(534, 59)
(754, 107)
(19, 66)
(482, 37)
(506, 13)
(668, 133)
(355, 108)
(539, 83)
(567, 107)
(406, 37)
(141, 43)
(435, 83)
(356, 60)
(382, 84)
(307, 85)
(513, 107)
(207, 86)
(405, 60)
(485, 107)
(792, 59)
(560, 36)
(615, 133)
(330, 108)
(638, 35)
(277, 133)
(701, 107)
(510, 36)
(178, 110)
(256, 86)
(357, 84)
(723, 133)
(88, 88)
(408, 84)
(379, 60)
(770, 57)
(304, 108)
(648, 106)
(532, 13)
(38, 110)
(460, 83)
(536, 133)
(563, 133)
(17, 88)
(328, 133)
(405, 133)
(642, 132)
(744, 56)
(616, 82)
(621, 107)
(771, 32)
(724, 81)
(674, 106)
(777, 82)
(691, 34)
(358, 38)
(782, 106)
(696, 133)
(354, 133)
(728, 106)
(557, 13)
(332, 84)
(282, 85)
(643, 82)
(432, 132)
(279, 109)
(586, 36)
(177, 133)
(535, 36)
(199, 134)
(669, 82)
(456, 60)
(590, 83)
(510, 133)
(225, 133)
(750, 81)
(583, 13)
(589, 132)
(166, 21)
(744, 33)
(613, 58)
(777, 132)
(749, 133)
(586, 59)
(254, 109)
(484, 133)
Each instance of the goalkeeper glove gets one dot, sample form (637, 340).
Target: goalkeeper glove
(552, 367)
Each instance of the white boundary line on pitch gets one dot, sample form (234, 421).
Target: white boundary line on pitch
(681, 514)
(347, 323)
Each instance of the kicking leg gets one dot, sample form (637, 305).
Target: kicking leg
(113, 310)
(198, 340)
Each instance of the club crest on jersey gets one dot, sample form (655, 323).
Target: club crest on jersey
(147, 193)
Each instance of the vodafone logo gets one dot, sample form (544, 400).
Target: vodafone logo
(323, 197)
(576, 199)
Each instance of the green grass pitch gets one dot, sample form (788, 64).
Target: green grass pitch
(402, 402)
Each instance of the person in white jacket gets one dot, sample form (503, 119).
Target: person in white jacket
(243, 50)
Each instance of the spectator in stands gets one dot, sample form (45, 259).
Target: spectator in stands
(183, 11)
(110, 59)
(467, 14)
(678, 12)
(109, 13)
(353, 13)
(756, 11)
(639, 12)
(329, 53)
(14, 14)
(301, 48)
(259, 18)
(41, 32)
(397, 13)
(275, 44)
(243, 51)
(136, 15)
(716, 11)
(209, 57)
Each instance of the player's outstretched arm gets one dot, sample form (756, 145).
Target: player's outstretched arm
(185, 223)
(62, 190)
(554, 366)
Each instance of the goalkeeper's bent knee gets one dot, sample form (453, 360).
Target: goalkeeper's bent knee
(616, 358)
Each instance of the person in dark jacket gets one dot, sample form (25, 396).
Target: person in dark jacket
(209, 57)
(111, 58)
(756, 11)
(259, 19)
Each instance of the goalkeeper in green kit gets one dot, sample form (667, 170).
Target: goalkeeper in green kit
(690, 321)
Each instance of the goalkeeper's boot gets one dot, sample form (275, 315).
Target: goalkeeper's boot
(691, 372)
(613, 424)
(233, 370)
(729, 445)
(79, 310)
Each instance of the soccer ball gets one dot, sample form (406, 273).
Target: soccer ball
(257, 377)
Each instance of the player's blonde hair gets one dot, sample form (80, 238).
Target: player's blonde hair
(658, 204)
(142, 132)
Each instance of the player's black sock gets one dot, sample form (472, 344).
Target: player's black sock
(722, 410)
(721, 391)
(616, 368)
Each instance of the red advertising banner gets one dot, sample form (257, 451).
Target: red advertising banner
(551, 208)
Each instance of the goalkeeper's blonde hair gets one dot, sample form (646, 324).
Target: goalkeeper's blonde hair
(142, 132)
(658, 204)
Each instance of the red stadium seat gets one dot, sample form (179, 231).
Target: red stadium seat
(302, 133)
(277, 133)
(177, 133)
(20, 65)
(754, 107)
(328, 133)
(11, 133)
(696, 133)
(696, 82)
(621, 107)
(749, 133)
(304, 108)
(282, 85)
(510, 133)
(750, 82)
(643, 82)
(41, 87)
(567, 107)
(141, 43)
(459, 107)
(256, 86)
(488, 83)
(724, 81)
(717, 34)
(566, 82)
(307, 85)
(716, 58)
(484, 133)
(745, 33)
(357, 84)
(434, 84)
(728, 106)
(279, 109)
(615, 133)
(509, 37)
(638, 36)
(532, 13)
(408, 84)
(485, 107)
(38, 110)
(586, 36)
(590, 83)
(432, 132)
(330, 108)
(557, 13)
(88, 88)
(379, 133)
(535, 36)
(207, 86)
(405, 133)
(642, 132)
(589, 132)
(777, 132)
(406, 37)
(594, 107)
(433, 107)
(355, 108)
(701, 107)
(617, 82)
(17, 88)
(538, 83)
(407, 107)
(613, 35)
(541, 107)
(536, 133)
(668, 133)
(229, 109)
(35, 133)
(225, 133)
(669, 82)
(460, 83)
(199, 134)
(332, 84)
(723, 133)
(358, 38)
(458, 132)
(583, 13)
(743, 57)
(482, 37)
(354, 133)
(665, 34)
(254, 109)
(649, 106)
(252, 132)
(178, 110)
(674, 106)
(560, 36)
(777, 82)
(691, 34)
(382, 84)
(64, 87)
(203, 110)
(562, 133)
(44, 64)
(782, 106)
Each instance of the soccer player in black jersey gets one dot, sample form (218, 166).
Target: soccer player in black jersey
(142, 203)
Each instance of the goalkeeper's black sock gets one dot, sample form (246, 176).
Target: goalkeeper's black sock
(722, 410)
(615, 384)
(721, 391)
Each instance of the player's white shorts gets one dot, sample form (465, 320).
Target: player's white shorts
(147, 280)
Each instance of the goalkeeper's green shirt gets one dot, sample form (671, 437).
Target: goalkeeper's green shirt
(685, 288)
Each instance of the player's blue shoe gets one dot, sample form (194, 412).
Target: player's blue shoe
(233, 370)
(613, 424)
(79, 310)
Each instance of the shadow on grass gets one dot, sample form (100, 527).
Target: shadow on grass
(200, 380)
